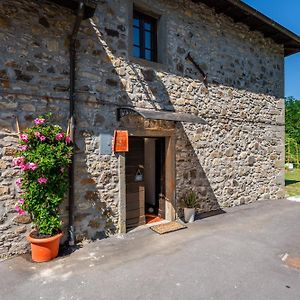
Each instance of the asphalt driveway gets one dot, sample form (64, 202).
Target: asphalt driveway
(250, 252)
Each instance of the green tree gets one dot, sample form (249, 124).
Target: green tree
(292, 128)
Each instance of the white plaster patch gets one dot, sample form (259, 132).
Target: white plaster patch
(54, 273)
(284, 257)
(84, 258)
(294, 198)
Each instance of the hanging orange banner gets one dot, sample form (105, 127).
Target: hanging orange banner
(120, 141)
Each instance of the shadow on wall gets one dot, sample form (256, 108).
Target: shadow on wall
(95, 183)
(190, 175)
(106, 80)
(96, 210)
(290, 181)
(94, 215)
(153, 94)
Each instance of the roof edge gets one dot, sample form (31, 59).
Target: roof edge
(255, 20)
(266, 19)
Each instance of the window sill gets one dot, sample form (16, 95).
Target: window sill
(146, 63)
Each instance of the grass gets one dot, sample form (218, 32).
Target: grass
(292, 182)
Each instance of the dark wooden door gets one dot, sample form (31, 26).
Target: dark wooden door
(135, 185)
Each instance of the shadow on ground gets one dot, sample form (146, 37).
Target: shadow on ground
(290, 181)
(204, 215)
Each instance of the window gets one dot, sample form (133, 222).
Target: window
(144, 36)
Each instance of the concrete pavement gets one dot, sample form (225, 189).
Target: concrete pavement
(242, 254)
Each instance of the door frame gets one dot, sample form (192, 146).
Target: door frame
(170, 175)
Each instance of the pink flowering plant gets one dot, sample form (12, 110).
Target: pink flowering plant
(43, 156)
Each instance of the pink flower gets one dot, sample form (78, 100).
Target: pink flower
(37, 134)
(42, 180)
(23, 147)
(19, 182)
(21, 201)
(24, 137)
(18, 161)
(42, 138)
(19, 210)
(38, 121)
(62, 169)
(32, 166)
(68, 139)
(60, 136)
(29, 166)
(24, 167)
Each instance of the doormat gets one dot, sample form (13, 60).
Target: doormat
(168, 227)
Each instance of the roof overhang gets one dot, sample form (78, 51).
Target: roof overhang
(159, 115)
(243, 13)
(89, 6)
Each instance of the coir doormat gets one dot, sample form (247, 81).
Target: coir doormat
(168, 227)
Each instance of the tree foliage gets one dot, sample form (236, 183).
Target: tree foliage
(292, 129)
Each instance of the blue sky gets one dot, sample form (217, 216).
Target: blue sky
(286, 13)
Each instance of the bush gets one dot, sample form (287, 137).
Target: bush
(189, 200)
(43, 156)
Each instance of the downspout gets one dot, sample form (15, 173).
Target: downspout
(72, 53)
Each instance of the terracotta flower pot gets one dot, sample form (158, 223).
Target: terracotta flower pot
(44, 249)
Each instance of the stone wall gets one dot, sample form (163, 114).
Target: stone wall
(236, 158)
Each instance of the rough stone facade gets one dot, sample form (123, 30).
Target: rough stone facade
(236, 158)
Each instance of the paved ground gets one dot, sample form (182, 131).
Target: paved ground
(237, 255)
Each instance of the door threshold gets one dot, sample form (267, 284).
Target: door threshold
(151, 218)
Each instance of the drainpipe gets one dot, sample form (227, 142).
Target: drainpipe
(72, 53)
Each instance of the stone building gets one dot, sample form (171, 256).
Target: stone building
(198, 85)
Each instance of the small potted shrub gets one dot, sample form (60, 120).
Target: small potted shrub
(189, 201)
(44, 154)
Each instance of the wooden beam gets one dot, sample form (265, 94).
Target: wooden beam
(170, 179)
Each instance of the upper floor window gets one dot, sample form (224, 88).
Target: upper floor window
(144, 36)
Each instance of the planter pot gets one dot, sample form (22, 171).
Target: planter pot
(189, 215)
(44, 249)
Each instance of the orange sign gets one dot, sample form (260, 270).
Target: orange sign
(120, 142)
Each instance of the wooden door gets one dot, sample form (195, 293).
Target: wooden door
(135, 185)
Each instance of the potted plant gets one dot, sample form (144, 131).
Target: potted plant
(189, 201)
(44, 154)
